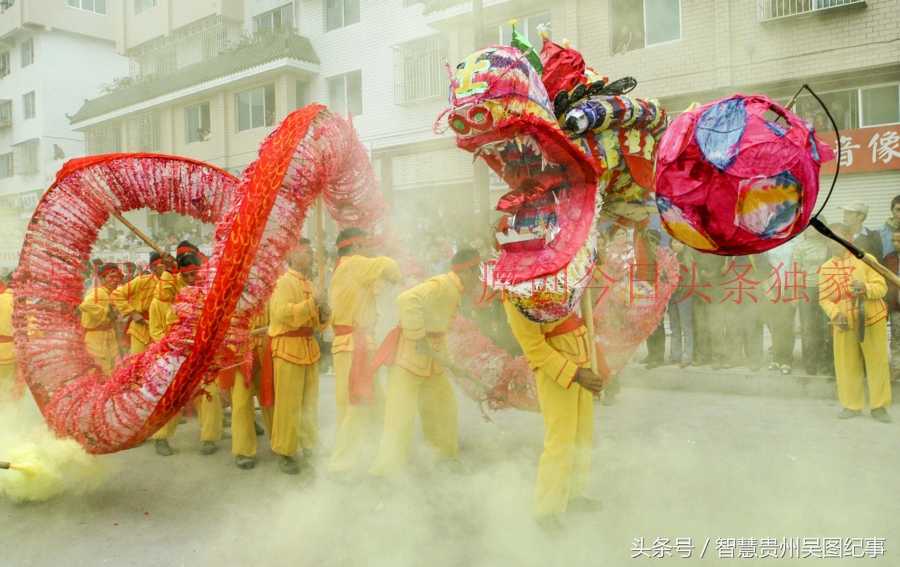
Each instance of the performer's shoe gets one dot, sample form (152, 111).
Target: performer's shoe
(786, 369)
(259, 429)
(163, 449)
(453, 466)
(848, 413)
(243, 462)
(653, 364)
(288, 465)
(582, 504)
(717, 366)
(551, 526)
(684, 364)
(208, 448)
(307, 454)
(881, 415)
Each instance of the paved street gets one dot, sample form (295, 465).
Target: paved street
(666, 465)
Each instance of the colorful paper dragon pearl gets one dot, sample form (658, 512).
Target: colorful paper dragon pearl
(729, 181)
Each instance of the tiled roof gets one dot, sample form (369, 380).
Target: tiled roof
(278, 46)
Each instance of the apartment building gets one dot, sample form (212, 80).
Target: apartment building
(54, 54)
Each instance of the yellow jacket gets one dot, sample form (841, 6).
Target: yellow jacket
(427, 311)
(835, 277)
(137, 295)
(292, 307)
(95, 313)
(356, 282)
(7, 350)
(161, 315)
(559, 357)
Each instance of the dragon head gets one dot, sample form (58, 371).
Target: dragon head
(500, 112)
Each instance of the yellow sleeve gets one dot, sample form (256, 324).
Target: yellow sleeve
(158, 324)
(412, 309)
(370, 270)
(828, 306)
(540, 355)
(123, 294)
(876, 287)
(295, 315)
(94, 308)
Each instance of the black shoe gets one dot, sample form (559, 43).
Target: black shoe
(881, 415)
(551, 526)
(582, 504)
(243, 462)
(259, 429)
(208, 448)
(163, 449)
(653, 364)
(288, 465)
(848, 413)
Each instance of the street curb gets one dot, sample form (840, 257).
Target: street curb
(738, 381)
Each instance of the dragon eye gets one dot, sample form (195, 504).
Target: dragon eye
(459, 124)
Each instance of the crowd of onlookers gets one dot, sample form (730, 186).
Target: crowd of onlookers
(722, 305)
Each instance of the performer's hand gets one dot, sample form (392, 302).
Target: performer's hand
(324, 313)
(593, 383)
(321, 299)
(858, 288)
(840, 321)
(422, 346)
(168, 260)
(138, 318)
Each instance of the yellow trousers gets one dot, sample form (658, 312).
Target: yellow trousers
(849, 357)
(569, 423)
(107, 363)
(8, 374)
(359, 427)
(435, 402)
(137, 347)
(295, 417)
(243, 414)
(209, 416)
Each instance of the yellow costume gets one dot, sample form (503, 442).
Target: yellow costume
(137, 295)
(8, 366)
(209, 408)
(567, 409)
(99, 333)
(356, 282)
(243, 411)
(835, 277)
(295, 357)
(417, 381)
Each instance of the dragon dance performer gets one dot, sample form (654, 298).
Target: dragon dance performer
(133, 300)
(209, 408)
(416, 381)
(850, 293)
(8, 366)
(357, 280)
(291, 364)
(558, 354)
(244, 429)
(98, 318)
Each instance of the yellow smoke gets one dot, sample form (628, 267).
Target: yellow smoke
(46, 466)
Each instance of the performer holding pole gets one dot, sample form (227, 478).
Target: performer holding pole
(8, 366)
(357, 280)
(133, 300)
(98, 317)
(416, 380)
(559, 355)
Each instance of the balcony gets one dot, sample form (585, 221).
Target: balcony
(768, 10)
(5, 114)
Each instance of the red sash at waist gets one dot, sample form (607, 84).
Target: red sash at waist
(108, 326)
(567, 326)
(5, 339)
(361, 383)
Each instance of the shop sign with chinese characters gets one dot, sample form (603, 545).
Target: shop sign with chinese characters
(865, 149)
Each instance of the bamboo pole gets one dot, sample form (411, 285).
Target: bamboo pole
(587, 312)
(136, 232)
(320, 243)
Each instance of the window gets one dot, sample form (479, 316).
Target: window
(4, 64)
(528, 28)
(276, 19)
(197, 119)
(102, 139)
(302, 94)
(774, 9)
(419, 70)
(5, 113)
(635, 24)
(340, 13)
(345, 93)
(98, 6)
(880, 105)
(6, 165)
(256, 108)
(27, 52)
(28, 105)
(143, 133)
(6, 5)
(26, 157)
(141, 5)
